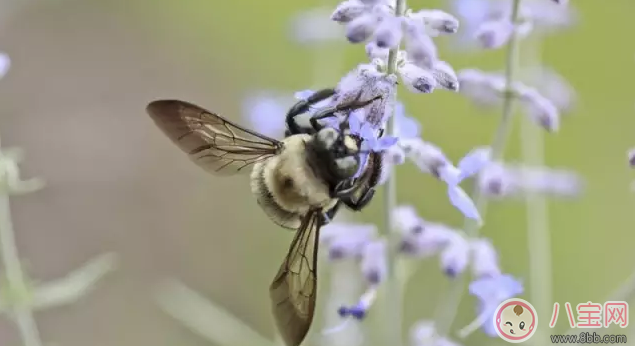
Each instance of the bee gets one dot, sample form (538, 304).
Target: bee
(299, 182)
(371, 174)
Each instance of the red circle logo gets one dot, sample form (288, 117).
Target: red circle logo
(515, 320)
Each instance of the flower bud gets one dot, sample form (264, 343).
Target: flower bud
(374, 52)
(426, 156)
(631, 157)
(438, 21)
(417, 79)
(389, 33)
(420, 48)
(374, 262)
(445, 76)
(395, 155)
(406, 219)
(494, 34)
(542, 111)
(348, 10)
(455, 256)
(484, 259)
(432, 238)
(345, 240)
(361, 28)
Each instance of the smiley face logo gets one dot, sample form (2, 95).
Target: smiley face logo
(515, 320)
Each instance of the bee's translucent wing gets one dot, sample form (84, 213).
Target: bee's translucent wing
(214, 143)
(293, 289)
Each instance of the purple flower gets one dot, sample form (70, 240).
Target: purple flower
(265, 111)
(370, 142)
(543, 16)
(468, 166)
(406, 126)
(491, 291)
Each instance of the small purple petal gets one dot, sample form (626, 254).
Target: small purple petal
(488, 309)
(343, 311)
(357, 312)
(407, 127)
(354, 123)
(368, 133)
(463, 202)
(385, 143)
(498, 288)
(473, 162)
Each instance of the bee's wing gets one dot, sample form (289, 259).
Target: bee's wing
(294, 287)
(214, 143)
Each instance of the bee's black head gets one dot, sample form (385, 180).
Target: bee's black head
(341, 150)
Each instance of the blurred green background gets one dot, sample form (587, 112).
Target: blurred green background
(83, 71)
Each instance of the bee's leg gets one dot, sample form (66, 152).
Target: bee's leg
(320, 115)
(363, 201)
(303, 107)
(344, 189)
(347, 106)
(328, 216)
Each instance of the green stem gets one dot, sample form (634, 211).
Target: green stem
(446, 312)
(538, 237)
(393, 299)
(14, 276)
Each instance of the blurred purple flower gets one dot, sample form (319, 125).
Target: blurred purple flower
(472, 163)
(370, 142)
(265, 111)
(314, 26)
(542, 16)
(405, 126)
(5, 64)
(491, 291)
(368, 135)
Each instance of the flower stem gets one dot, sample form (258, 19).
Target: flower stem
(537, 217)
(446, 312)
(393, 299)
(14, 276)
